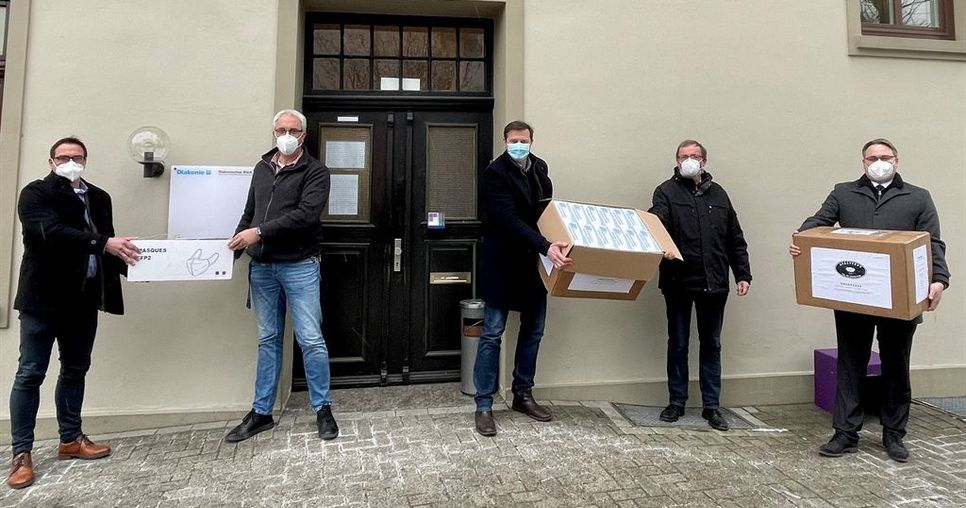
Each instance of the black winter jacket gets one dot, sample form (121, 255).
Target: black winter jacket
(705, 228)
(287, 207)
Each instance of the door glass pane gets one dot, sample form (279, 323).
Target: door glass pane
(444, 42)
(386, 40)
(415, 70)
(921, 13)
(325, 74)
(471, 43)
(415, 41)
(388, 69)
(444, 75)
(346, 151)
(356, 40)
(326, 40)
(356, 74)
(451, 171)
(471, 76)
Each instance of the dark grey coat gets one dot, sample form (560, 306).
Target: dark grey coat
(903, 207)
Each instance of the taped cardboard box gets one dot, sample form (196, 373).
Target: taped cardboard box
(615, 251)
(867, 271)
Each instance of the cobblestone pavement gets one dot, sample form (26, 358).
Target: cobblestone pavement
(397, 450)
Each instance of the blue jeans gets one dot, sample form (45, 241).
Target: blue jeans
(487, 368)
(710, 312)
(74, 332)
(296, 284)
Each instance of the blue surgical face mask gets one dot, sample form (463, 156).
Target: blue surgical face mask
(518, 151)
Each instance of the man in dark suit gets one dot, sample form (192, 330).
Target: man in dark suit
(515, 189)
(71, 267)
(879, 199)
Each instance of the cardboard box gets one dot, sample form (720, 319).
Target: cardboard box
(615, 250)
(876, 272)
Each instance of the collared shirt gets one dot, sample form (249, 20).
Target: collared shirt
(81, 193)
(277, 160)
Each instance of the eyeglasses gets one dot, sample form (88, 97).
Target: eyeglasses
(693, 157)
(64, 159)
(887, 158)
(294, 132)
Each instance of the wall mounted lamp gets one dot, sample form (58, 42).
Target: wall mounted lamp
(149, 146)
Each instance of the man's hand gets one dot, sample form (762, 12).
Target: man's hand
(122, 247)
(555, 253)
(743, 287)
(243, 239)
(669, 255)
(935, 294)
(793, 249)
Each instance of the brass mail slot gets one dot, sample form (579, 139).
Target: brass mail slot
(449, 277)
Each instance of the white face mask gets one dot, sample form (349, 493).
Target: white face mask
(881, 171)
(690, 168)
(287, 144)
(69, 170)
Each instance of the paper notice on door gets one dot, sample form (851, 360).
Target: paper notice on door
(547, 264)
(389, 84)
(344, 195)
(411, 84)
(345, 154)
(863, 278)
(584, 282)
(920, 266)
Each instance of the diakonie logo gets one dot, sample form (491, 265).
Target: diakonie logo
(850, 269)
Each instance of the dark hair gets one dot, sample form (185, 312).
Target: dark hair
(517, 125)
(69, 140)
(690, 142)
(880, 141)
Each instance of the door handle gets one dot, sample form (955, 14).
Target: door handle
(397, 255)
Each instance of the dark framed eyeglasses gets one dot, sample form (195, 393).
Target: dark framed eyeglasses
(64, 159)
(294, 132)
(873, 158)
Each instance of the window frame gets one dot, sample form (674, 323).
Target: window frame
(945, 31)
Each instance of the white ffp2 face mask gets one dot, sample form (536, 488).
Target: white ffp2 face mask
(881, 171)
(690, 168)
(287, 144)
(69, 170)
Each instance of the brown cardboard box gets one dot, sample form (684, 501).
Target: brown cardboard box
(876, 272)
(615, 250)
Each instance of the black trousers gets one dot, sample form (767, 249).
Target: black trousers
(854, 333)
(709, 308)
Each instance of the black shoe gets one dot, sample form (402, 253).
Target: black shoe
(328, 429)
(485, 424)
(671, 413)
(715, 419)
(251, 424)
(838, 446)
(525, 404)
(894, 447)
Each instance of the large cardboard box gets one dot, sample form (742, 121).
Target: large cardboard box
(877, 272)
(615, 250)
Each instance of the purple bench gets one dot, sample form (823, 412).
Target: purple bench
(825, 369)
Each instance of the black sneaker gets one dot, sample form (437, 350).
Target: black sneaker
(894, 447)
(328, 429)
(671, 413)
(715, 419)
(253, 423)
(839, 445)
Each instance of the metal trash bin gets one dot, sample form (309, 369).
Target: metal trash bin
(471, 319)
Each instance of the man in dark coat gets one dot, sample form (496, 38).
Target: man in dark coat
(698, 214)
(71, 267)
(515, 189)
(879, 199)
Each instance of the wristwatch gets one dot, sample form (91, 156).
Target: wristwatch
(258, 231)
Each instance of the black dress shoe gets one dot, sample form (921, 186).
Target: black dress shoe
(485, 424)
(839, 445)
(328, 429)
(894, 447)
(671, 413)
(715, 419)
(251, 424)
(525, 404)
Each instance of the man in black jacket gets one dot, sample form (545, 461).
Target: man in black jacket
(280, 229)
(515, 189)
(879, 199)
(698, 214)
(71, 267)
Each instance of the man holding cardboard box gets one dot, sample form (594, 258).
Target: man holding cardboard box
(698, 214)
(515, 188)
(879, 199)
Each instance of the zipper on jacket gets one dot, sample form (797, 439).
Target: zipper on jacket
(271, 196)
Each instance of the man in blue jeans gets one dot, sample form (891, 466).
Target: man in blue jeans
(279, 229)
(515, 189)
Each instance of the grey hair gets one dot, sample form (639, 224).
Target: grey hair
(289, 112)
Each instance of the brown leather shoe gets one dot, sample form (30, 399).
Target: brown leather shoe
(21, 471)
(82, 448)
(525, 404)
(485, 424)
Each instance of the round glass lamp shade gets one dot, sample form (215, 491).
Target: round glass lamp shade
(148, 144)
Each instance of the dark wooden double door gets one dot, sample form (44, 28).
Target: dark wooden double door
(391, 281)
